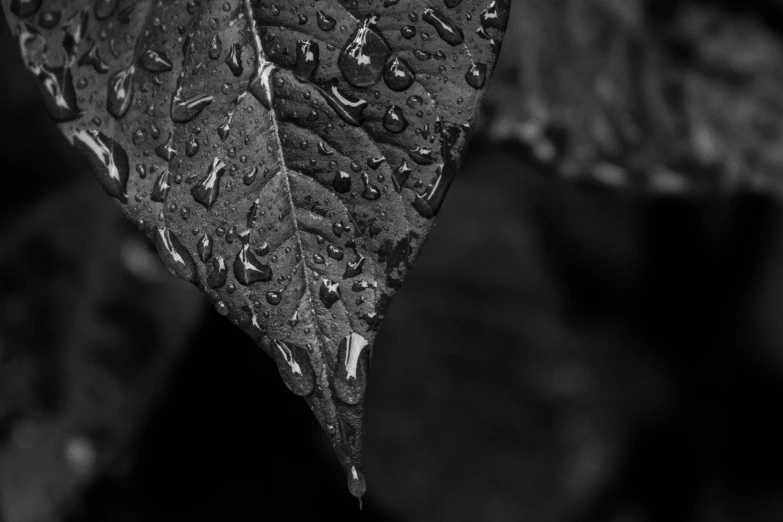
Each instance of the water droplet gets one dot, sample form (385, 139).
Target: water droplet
(274, 297)
(294, 367)
(452, 3)
(400, 175)
(155, 61)
(215, 47)
(166, 151)
(234, 60)
(398, 75)
(248, 269)
(192, 147)
(477, 75)
(324, 21)
(185, 110)
(260, 85)
(329, 292)
(204, 247)
(394, 120)
(107, 159)
(362, 59)
(139, 136)
(351, 372)
(307, 60)
(341, 182)
(250, 177)
(49, 19)
(350, 109)
(354, 268)
(447, 29)
(120, 93)
(207, 190)
(335, 253)
(408, 31)
(217, 273)
(161, 188)
(175, 256)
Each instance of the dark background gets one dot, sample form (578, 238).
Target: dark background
(562, 352)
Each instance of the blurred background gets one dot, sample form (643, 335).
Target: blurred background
(592, 334)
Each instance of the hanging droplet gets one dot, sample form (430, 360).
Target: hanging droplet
(107, 159)
(207, 190)
(363, 57)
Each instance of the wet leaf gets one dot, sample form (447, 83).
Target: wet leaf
(287, 159)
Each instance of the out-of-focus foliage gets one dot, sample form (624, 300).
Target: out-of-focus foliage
(672, 96)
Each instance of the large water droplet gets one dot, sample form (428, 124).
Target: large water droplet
(477, 75)
(363, 57)
(260, 85)
(204, 247)
(350, 109)
(394, 120)
(350, 378)
(207, 190)
(341, 182)
(107, 159)
(447, 29)
(234, 60)
(454, 138)
(354, 268)
(307, 60)
(248, 269)
(324, 21)
(294, 366)
(120, 94)
(398, 75)
(329, 292)
(166, 150)
(175, 256)
(184, 110)
(217, 272)
(161, 188)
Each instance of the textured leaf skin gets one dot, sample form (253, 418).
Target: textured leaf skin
(288, 158)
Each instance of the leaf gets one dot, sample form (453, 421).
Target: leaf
(287, 159)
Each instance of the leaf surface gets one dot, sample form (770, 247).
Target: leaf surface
(288, 158)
